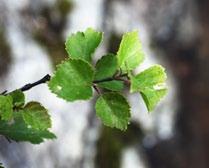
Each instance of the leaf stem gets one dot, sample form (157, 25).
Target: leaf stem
(120, 77)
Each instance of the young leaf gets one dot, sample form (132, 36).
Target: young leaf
(151, 84)
(6, 107)
(114, 110)
(36, 116)
(112, 85)
(18, 98)
(130, 53)
(19, 131)
(152, 97)
(72, 80)
(152, 77)
(83, 44)
(106, 67)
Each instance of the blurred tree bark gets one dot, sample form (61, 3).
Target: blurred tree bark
(189, 61)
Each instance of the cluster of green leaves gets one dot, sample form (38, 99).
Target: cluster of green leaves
(75, 78)
(23, 122)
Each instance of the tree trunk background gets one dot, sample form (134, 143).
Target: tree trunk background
(188, 58)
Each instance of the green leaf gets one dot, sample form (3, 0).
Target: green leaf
(151, 84)
(114, 110)
(152, 97)
(130, 53)
(106, 67)
(36, 116)
(72, 80)
(83, 44)
(112, 85)
(6, 107)
(19, 131)
(152, 78)
(18, 98)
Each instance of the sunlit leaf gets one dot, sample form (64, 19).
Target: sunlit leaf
(130, 53)
(83, 44)
(151, 84)
(72, 80)
(152, 97)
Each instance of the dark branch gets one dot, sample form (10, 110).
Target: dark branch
(28, 86)
(31, 85)
(3, 93)
(47, 77)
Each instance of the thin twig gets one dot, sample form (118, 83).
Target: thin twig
(9, 140)
(3, 93)
(28, 86)
(45, 79)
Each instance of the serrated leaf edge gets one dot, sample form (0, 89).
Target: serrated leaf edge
(41, 107)
(129, 110)
(59, 65)
(83, 32)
